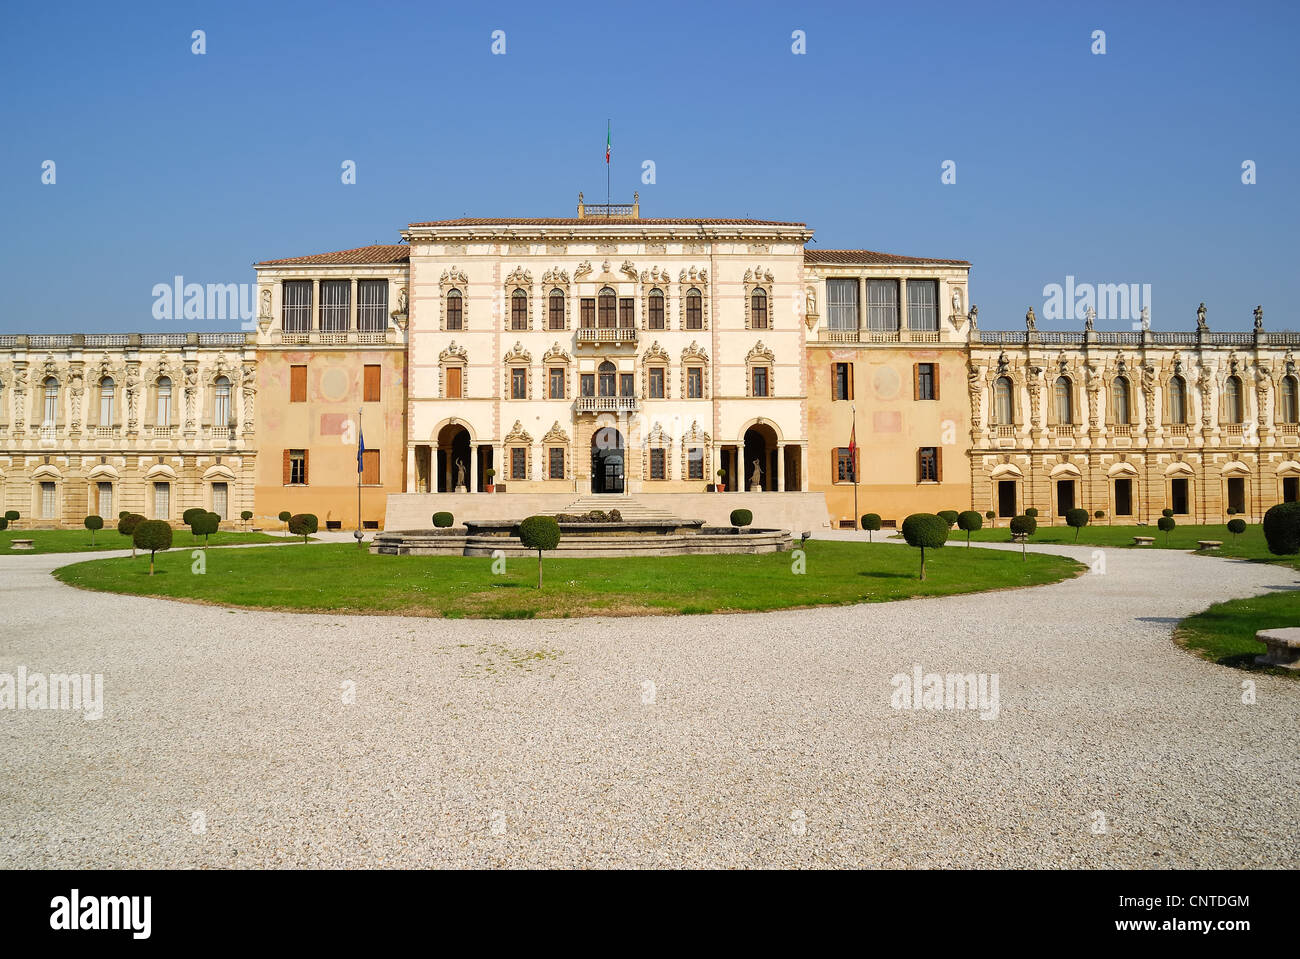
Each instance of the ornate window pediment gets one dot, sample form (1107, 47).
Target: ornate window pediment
(629, 269)
(583, 269)
(555, 436)
(760, 354)
(518, 436)
(453, 353)
(517, 354)
(555, 353)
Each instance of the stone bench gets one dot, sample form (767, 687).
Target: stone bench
(1283, 647)
(21, 544)
(1209, 543)
(1144, 540)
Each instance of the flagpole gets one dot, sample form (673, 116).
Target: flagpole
(359, 442)
(609, 136)
(854, 410)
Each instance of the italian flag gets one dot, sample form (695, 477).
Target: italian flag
(608, 141)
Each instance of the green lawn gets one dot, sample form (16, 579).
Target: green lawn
(78, 540)
(1249, 545)
(342, 578)
(1225, 633)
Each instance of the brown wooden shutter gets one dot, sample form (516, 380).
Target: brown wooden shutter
(916, 381)
(849, 377)
(370, 468)
(453, 382)
(287, 473)
(370, 386)
(920, 473)
(835, 465)
(938, 464)
(934, 379)
(305, 454)
(297, 384)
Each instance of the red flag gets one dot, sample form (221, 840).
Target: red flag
(853, 451)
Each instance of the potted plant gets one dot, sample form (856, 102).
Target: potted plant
(721, 486)
(487, 475)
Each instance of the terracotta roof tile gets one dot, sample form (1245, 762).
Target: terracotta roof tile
(853, 257)
(381, 253)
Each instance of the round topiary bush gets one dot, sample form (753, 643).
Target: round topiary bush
(93, 523)
(925, 530)
(1078, 518)
(11, 516)
(741, 517)
(1032, 511)
(539, 533)
(1282, 529)
(191, 514)
(949, 516)
(153, 535)
(1236, 527)
(871, 523)
(1231, 511)
(4, 523)
(303, 524)
(1100, 514)
(123, 514)
(1167, 512)
(205, 524)
(1024, 527)
(126, 526)
(284, 518)
(246, 515)
(1166, 525)
(992, 517)
(970, 521)
(443, 519)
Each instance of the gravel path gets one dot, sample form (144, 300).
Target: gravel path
(529, 743)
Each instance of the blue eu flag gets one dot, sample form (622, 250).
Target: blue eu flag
(361, 445)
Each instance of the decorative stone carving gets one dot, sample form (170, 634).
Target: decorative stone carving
(453, 352)
(759, 353)
(555, 353)
(1201, 325)
(628, 269)
(248, 382)
(1259, 317)
(518, 435)
(517, 354)
(555, 436)
(1031, 321)
(582, 269)
(519, 277)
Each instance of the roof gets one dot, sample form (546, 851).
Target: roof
(380, 253)
(604, 220)
(854, 257)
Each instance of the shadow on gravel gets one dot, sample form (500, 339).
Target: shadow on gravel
(1160, 620)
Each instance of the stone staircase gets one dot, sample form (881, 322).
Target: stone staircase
(630, 509)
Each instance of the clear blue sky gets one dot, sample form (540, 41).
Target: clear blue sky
(1123, 168)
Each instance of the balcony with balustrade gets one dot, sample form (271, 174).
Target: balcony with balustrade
(618, 336)
(606, 404)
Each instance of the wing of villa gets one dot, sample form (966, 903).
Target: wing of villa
(502, 366)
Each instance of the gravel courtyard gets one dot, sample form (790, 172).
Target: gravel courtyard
(765, 740)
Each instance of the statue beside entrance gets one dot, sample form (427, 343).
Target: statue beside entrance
(460, 475)
(756, 479)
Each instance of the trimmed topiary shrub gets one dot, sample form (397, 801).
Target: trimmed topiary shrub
(741, 517)
(1023, 526)
(153, 535)
(126, 526)
(970, 521)
(992, 517)
(4, 523)
(1166, 524)
(443, 520)
(93, 523)
(871, 523)
(246, 515)
(205, 524)
(123, 514)
(949, 516)
(1282, 529)
(1236, 527)
(925, 530)
(1078, 518)
(1032, 512)
(1231, 511)
(539, 533)
(303, 524)
(191, 514)
(1100, 514)
(284, 518)
(12, 516)
(1167, 512)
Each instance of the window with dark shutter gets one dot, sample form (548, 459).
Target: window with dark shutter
(297, 384)
(370, 386)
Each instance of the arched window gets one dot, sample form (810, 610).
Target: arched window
(694, 309)
(607, 309)
(758, 310)
(106, 401)
(1003, 411)
(1119, 400)
(518, 310)
(655, 319)
(607, 379)
(51, 402)
(455, 314)
(221, 409)
(1290, 405)
(1177, 412)
(1232, 400)
(555, 310)
(164, 401)
(1064, 401)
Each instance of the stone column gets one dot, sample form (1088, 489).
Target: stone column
(780, 467)
(471, 482)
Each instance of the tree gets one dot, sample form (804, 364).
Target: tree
(1235, 527)
(126, 526)
(1166, 525)
(992, 517)
(443, 520)
(539, 533)
(925, 529)
(1024, 527)
(191, 514)
(949, 516)
(871, 523)
(740, 518)
(153, 535)
(246, 515)
(284, 518)
(303, 524)
(970, 521)
(205, 524)
(1282, 529)
(93, 523)
(1078, 518)
(4, 523)
(12, 517)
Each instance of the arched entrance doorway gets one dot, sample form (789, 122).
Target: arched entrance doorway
(607, 460)
(760, 451)
(453, 446)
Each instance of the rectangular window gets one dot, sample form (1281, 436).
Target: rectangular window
(1064, 496)
(518, 463)
(519, 311)
(106, 501)
(606, 311)
(295, 467)
(1123, 497)
(695, 462)
(370, 384)
(587, 382)
(626, 384)
(759, 376)
(842, 304)
(455, 382)
(846, 465)
(370, 467)
(49, 501)
(335, 306)
(220, 499)
(587, 313)
(694, 311)
(557, 377)
(1290, 489)
(655, 320)
(557, 462)
(297, 384)
(1006, 498)
(842, 381)
(1237, 494)
(882, 306)
(296, 306)
(1178, 493)
(927, 464)
(656, 383)
(626, 313)
(455, 305)
(372, 306)
(555, 311)
(106, 406)
(162, 500)
(694, 383)
(518, 383)
(925, 385)
(658, 464)
(923, 305)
